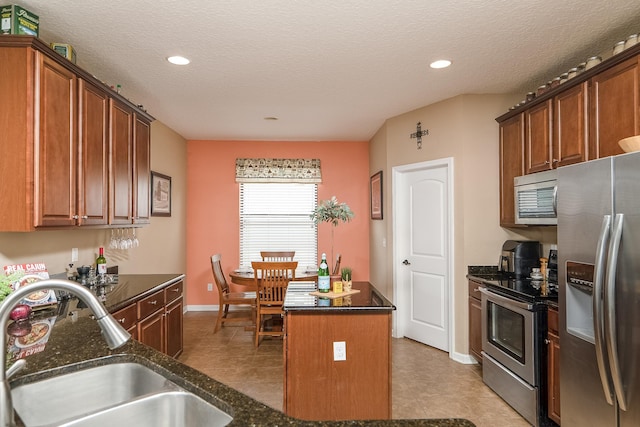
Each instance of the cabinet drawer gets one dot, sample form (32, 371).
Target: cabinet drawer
(127, 316)
(473, 289)
(552, 320)
(173, 292)
(150, 304)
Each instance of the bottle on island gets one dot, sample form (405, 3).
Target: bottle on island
(324, 281)
(101, 263)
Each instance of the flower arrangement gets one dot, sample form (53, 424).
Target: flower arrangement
(333, 212)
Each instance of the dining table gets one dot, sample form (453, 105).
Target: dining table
(246, 277)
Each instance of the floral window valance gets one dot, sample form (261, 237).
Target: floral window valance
(278, 170)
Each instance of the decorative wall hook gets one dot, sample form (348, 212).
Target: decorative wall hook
(419, 133)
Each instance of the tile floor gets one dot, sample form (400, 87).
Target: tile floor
(426, 383)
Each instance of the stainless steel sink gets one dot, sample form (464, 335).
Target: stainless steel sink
(110, 392)
(171, 409)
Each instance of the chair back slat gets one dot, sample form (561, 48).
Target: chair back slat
(272, 279)
(277, 255)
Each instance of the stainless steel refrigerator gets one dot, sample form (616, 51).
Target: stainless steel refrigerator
(599, 294)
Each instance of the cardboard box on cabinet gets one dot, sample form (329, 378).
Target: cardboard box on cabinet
(18, 20)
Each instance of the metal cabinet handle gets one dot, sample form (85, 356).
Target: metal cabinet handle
(75, 217)
(555, 161)
(85, 216)
(154, 302)
(176, 290)
(546, 341)
(122, 320)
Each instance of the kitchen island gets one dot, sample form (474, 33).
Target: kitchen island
(76, 343)
(337, 354)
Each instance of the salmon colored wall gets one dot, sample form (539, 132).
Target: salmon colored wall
(213, 205)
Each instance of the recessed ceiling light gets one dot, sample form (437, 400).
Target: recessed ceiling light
(271, 118)
(441, 63)
(178, 60)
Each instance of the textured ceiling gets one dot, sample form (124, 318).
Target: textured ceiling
(328, 69)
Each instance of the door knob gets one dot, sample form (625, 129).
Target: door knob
(406, 262)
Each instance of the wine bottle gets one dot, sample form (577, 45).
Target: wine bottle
(324, 281)
(101, 263)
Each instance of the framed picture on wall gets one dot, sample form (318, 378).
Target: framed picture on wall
(160, 194)
(376, 195)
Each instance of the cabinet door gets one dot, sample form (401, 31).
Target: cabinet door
(120, 164)
(475, 328)
(141, 172)
(570, 126)
(537, 152)
(93, 133)
(151, 331)
(553, 377)
(614, 102)
(56, 148)
(173, 328)
(511, 165)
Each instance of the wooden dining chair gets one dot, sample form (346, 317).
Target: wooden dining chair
(336, 267)
(277, 255)
(228, 298)
(271, 280)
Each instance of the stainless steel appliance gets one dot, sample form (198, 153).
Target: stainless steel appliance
(535, 198)
(518, 257)
(513, 351)
(599, 292)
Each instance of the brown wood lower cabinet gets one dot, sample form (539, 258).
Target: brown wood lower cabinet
(156, 320)
(553, 367)
(317, 387)
(475, 321)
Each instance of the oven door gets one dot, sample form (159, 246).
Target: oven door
(508, 334)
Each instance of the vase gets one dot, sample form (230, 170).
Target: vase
(346, 285)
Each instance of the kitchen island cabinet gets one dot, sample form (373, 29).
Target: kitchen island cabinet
(68, 153)
(322, 382)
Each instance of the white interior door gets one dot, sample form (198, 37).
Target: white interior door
(422, 252)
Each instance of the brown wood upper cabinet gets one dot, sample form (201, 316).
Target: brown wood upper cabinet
(580, 120)
(556, 131)
(63, 137)
(614, 108)
(511, 165)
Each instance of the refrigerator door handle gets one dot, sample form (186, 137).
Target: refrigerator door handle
(599, 272)
(610, 310)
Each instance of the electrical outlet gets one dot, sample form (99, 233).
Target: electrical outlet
(210, 287)
(339, 351)
(74, 254)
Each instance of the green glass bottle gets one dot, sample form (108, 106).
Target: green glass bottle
(101, 263)
(324, 281)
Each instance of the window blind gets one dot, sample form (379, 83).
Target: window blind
(276, 217)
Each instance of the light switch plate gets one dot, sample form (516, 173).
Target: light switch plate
(339, 351)
(74, 254)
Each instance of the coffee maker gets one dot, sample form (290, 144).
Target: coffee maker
(518, 257)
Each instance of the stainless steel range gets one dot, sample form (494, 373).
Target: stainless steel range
(514, 329)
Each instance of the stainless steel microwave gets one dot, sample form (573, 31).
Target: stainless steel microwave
(535, 198)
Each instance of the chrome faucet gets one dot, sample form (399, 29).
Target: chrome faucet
(114, 334)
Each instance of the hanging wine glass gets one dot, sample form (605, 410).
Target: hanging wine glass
(136, 242)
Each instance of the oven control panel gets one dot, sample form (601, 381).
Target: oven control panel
(580, 275)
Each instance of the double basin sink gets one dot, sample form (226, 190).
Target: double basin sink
(110, 394)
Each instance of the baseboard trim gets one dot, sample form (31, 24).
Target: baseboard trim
(465, 359)
(202, 307)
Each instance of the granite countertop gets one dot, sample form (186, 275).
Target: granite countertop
(76, 343)
(367, 298)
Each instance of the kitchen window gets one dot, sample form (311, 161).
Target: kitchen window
(276, 217)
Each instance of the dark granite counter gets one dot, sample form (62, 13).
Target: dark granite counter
(76, 343)
(367, 299)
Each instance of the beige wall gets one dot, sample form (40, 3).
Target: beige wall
(465, 129)
(162, 243)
